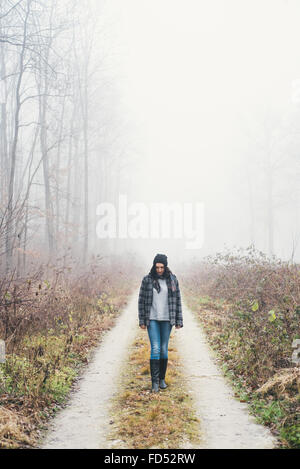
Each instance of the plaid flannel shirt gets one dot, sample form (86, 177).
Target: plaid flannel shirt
(146, 297)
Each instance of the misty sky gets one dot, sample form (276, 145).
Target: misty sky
(197, 78)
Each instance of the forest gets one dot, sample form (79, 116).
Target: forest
(136, 105)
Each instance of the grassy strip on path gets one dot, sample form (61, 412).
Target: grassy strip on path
(145, 420)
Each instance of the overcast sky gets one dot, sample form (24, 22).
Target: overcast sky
(196, 75)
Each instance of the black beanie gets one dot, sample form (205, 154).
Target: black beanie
(161, 258)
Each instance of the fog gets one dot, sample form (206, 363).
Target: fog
(204, 80)
(197, 102)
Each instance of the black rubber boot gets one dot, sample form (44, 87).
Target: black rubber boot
(162, 372)
(154, 368)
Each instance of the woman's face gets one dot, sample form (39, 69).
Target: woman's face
(160, 268)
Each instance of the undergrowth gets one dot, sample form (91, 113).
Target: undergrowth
(249, 307)
(46, 353)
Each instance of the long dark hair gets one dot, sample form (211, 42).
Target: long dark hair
(154, 274)
(166, 275)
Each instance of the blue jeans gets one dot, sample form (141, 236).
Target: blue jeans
(159, 334)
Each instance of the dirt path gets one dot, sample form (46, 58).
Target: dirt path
(84, 423)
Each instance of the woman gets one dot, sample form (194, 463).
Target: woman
(159, 310)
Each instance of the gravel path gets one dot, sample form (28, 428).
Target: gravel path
(84, 422)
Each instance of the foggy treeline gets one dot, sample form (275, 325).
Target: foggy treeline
(231, 137)
(60, 135)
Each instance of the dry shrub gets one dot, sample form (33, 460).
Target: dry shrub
(50, 320)
(259, 309)
(12, 428)
(54, 296)
(284, 384)
(249, 305)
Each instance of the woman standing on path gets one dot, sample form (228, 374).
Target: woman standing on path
(160, 309)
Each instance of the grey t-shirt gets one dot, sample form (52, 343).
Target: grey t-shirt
(160, 308)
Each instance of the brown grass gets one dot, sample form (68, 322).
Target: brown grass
(285, 383)
(142, 419)
(14, 429)
(45, 354)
